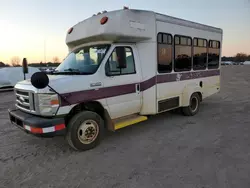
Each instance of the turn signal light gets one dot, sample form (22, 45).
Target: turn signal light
(54, 102)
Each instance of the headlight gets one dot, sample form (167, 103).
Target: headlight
(48, 104)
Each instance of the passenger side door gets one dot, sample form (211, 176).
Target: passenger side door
(123, 83)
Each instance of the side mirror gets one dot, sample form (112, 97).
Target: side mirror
(40, 80)
(121, 57)
(25, 66)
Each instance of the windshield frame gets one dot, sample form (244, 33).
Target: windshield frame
(83, 47)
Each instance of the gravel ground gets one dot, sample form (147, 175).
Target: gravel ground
(211, 149)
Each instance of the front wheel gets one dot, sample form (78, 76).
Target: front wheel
(194, 105)
(85, 130)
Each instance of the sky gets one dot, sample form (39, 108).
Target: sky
(36, 29)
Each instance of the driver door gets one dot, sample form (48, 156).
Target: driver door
(123, 83)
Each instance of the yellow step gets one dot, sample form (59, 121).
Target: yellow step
(128, 120)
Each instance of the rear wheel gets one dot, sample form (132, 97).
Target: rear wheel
(194, 105)
(85, 130)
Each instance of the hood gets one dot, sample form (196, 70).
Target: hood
(64, 83)
(52, 78)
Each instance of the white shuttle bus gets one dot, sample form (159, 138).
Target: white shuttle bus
(122, 66)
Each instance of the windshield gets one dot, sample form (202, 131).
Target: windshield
(85, 60)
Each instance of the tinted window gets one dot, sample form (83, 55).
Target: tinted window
(165, 54)
(213, 54)
(159, 38)
(200, 54)
(177, 40)
(183, 54)
(183, 40)
(195, 42)
(112, 64)
(165, 39)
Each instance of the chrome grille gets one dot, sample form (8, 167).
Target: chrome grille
(25, 100)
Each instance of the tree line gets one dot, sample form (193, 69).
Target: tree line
(239, 57)
(16, 62)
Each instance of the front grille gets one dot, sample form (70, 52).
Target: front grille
(25, 100)
(25, 93)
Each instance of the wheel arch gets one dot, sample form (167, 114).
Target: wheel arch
(188, 92)
(94, 106)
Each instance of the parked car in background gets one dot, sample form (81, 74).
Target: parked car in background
(226, 63)
(11, 75)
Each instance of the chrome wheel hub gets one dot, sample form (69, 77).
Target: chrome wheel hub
(88, 131)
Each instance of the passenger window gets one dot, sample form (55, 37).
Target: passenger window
(200, 54)
(159, 38)
(213, 54)
(183, 54)
(112, 64)
(165, 53)
(177, 40)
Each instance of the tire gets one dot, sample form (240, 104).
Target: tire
(194, 105)
(85, 125)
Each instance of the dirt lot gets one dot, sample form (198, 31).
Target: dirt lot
(211, 149)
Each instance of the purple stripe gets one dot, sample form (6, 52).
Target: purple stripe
(148, 83)
(186, 76)
(96, 94)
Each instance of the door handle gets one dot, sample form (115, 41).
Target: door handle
(96, 84)
(137, 87)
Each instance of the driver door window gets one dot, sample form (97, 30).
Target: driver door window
(112, 64)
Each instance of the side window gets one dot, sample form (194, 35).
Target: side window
(183, 53)
(213, 54)
(200, 54)
(112, 67)
(164, 47)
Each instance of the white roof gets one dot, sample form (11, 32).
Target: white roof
(11, 75)
(125, 26)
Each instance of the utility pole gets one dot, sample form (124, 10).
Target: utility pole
(44, 50)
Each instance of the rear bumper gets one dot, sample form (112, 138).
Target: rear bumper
(38, 126)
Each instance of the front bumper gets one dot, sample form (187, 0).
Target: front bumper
(38, 126)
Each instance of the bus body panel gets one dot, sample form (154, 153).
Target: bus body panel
(145, 91)
(182, 85)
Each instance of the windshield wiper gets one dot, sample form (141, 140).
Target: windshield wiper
(72, 70)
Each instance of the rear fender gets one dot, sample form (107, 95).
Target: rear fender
(188, 91)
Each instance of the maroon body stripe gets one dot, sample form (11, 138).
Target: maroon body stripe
(95, 94)
(186, 76)
(148, 83)
(101, 93)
